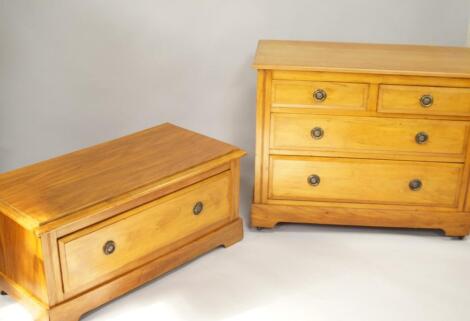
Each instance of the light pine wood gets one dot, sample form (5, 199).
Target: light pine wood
(139, 196)
(38, 309)
(259, 151)
(406, 100)
(143, 232)
(266, 133)
(338, 95)
(363, 58)
(366, 181)
(52, 269)
(368, 152)
(452, 223)
(73, 309)
(52, 189)
(372, 98)
(51, 249)
(360, 205)
(370, 135)
(235, 192)
(369, 78)
(21, 258)
(375, 81)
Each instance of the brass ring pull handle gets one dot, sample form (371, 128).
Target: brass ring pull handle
(421, 138)
(426, 101)
(109, 247)
(319, 95)
(198, 207)
(415, 185)
(317, 133)
(313, 180)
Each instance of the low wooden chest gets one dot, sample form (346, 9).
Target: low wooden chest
(358, 134)
(79, 230)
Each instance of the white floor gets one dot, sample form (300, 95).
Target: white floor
(302, 272)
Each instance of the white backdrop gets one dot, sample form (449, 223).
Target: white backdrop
(75, 73)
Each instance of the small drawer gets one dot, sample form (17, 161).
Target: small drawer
(315, 94)
(95, 254)
(424, 100)
(364, 181)
(369, 134)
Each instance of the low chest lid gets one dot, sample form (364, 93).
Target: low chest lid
(47, 191)
(416, 60)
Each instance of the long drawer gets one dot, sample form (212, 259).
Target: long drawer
(424, 100)
(92, 255)
(364, 181)
(319, 94)
(368, 134)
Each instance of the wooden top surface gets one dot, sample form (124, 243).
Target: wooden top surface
(51, 189)
(364, 58)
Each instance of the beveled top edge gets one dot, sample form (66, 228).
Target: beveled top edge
(387, 59)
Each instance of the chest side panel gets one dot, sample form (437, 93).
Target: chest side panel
(21, 259)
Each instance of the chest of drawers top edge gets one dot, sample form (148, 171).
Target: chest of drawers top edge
(343, 108)
(381, 59)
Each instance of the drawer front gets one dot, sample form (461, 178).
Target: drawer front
(332, 95)
(424, 100)
(368, 134)
(93, 255)
(364, 181)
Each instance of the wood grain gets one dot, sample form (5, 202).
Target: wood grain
(73, 309)
(259, 151)
(21, 259)
(406, 100)
(338, 95)
(366, 181)
(235, 184)
(358, 204)
(363, 58)
(266, 133)
(139, 196)
(38, 309)
(452, 223)
(143, 232)
(55, 188)
(363, 78)
(138, 191)
(368, 146)
(370, 135)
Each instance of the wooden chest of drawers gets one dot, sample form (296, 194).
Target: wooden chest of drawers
(82, 229)
(357, 134)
